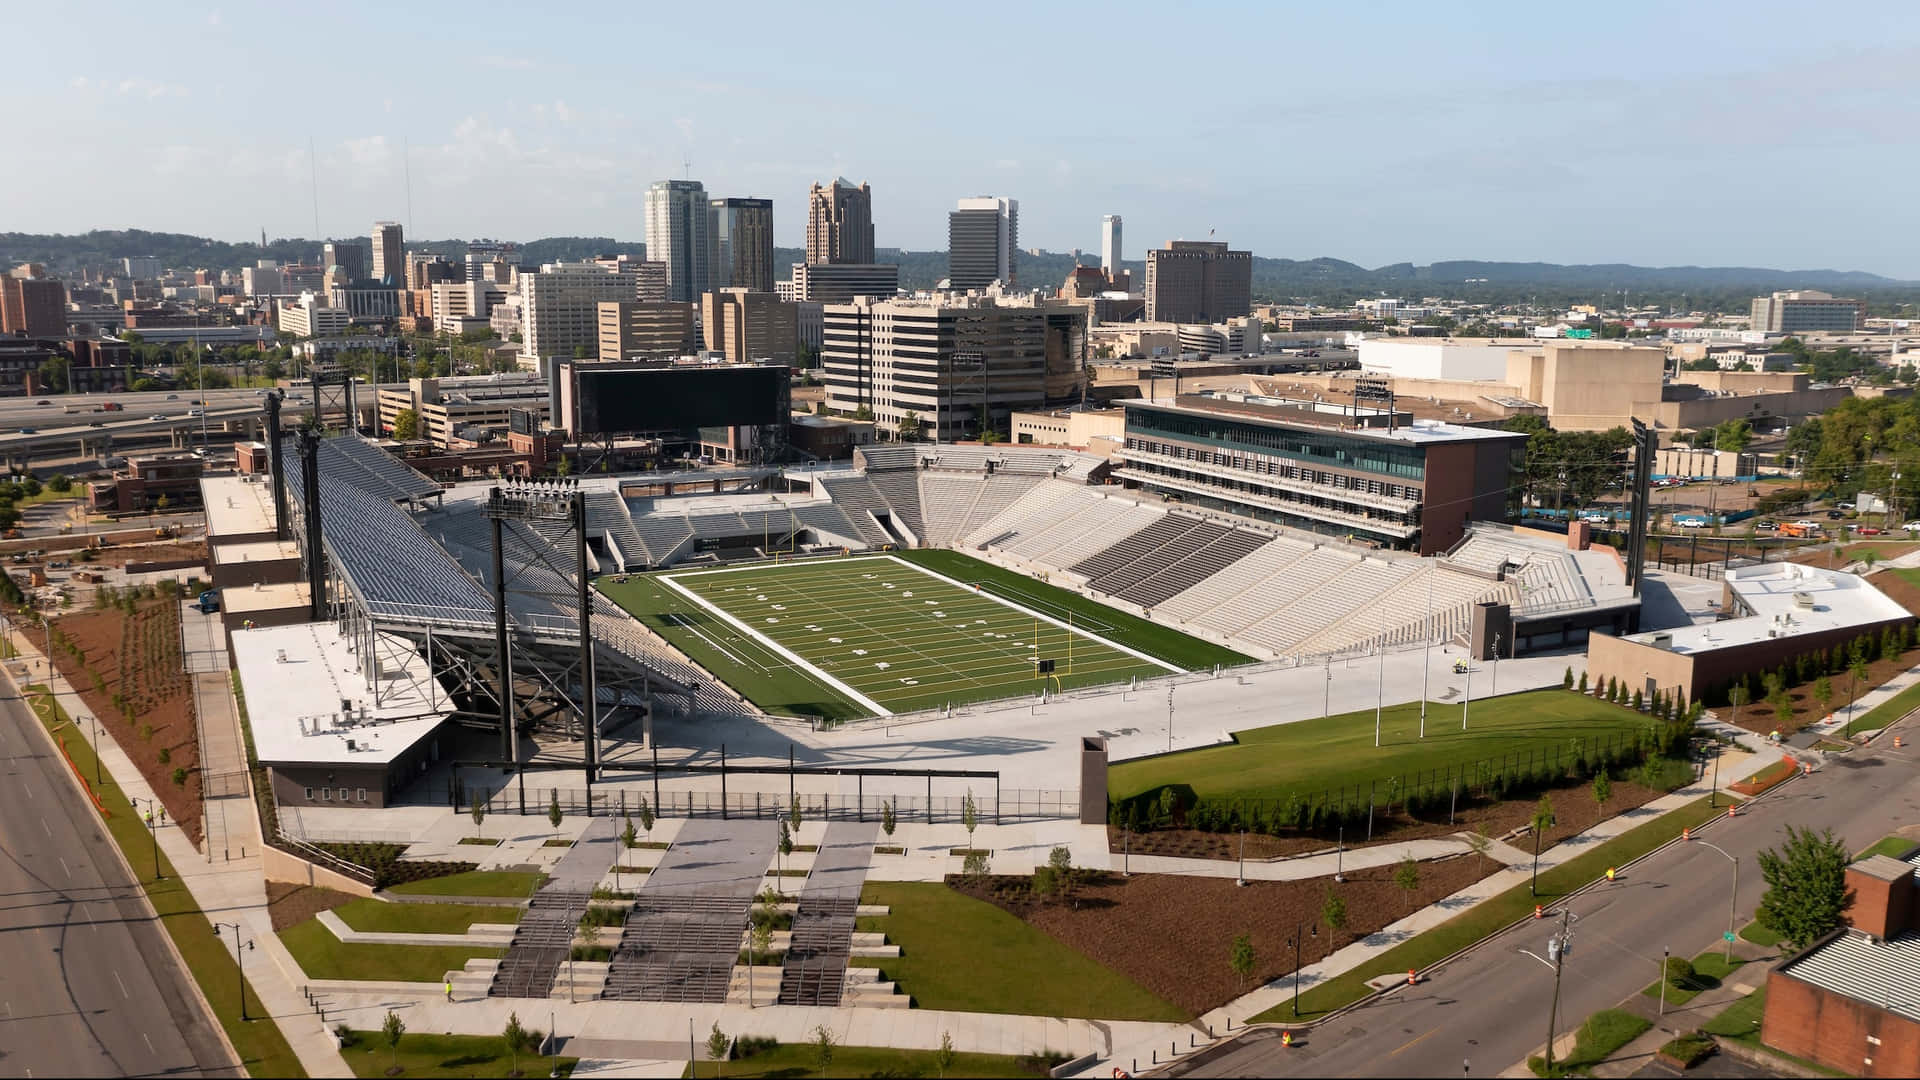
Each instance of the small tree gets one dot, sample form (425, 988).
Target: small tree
(1583, 682)
(1639, 700)
(887, 822)
(1823, 693)
(553, 809)
(1602, 788)
(822, 1049)
(943, 1058)
(969, 816)
(785, 843)
(1806, 886)
(1868, 558)
(1543, 818)
(1333, 915)
(479, 812)
(627, 840)
(1241, 958)
(1407, 876)
(1060, 861)
(909, 427)
(1566, 681)
(1479, 843)
(1737, 697)
(390, 1031)
(793, 815)
(515, 1036)
(716, 1046)
(646, 819)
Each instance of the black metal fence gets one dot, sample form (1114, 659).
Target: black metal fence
(990, 808)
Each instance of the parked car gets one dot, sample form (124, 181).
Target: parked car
(1835, 515)
(1912, 526)
(1844, 505)
(1865, 530)
(1691, 522)
(1766, 526)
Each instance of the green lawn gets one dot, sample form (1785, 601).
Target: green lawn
(262, 1049)
(380, 916)
(444, 1056)
(1710, 969)
(323, 956)
(797, 1060)
(1604, 1033)
(1760, 935)
(1740, 1020)
(967, 955)
(877, 634)
(1329, 753)
(1891, 846)
(1496, 912)
(476, 883)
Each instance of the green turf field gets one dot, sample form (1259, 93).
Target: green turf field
(1330, 753)
(871, 634)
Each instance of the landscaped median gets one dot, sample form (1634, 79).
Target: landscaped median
(1493, 914)
(262, 1049)
(766, 1058)
(503, 883)
(426, 1054)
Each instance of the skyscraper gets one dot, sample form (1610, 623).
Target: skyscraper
(677, 224)
(388, 258)
(982, 234)
(742, 244)
(839, 223)
(1198, 281)
(1110, 243)
(560, 309)
(350, 258)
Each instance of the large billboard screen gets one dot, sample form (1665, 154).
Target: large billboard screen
(615, 401)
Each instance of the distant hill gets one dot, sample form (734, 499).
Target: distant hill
(1323, 281)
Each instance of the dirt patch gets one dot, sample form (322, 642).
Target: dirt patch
(129, 670)
(1173, 934)
(1573, 808)
(1759, 716)
(289, 904)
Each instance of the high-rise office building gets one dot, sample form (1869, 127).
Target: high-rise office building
(389, 258)
(742, 232)
(982, 234)
(749, 327)
(645, 329)
(1807, 310)
(839, 223)
(560, 309)
(677, 222)
(141, 267)
(962, 365)
(350, 258)
(1110, 243)
(1198, 281)
(837, 283)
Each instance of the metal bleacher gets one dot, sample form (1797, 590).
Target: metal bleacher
(1211, 550)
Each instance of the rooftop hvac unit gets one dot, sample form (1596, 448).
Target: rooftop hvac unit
(1803, 600)
(1663, 641)
(279, 656)
(350, 747)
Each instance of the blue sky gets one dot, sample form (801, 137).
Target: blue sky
(1753, 133)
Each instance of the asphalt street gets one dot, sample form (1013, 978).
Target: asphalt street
(1488, 1010)
(88, 986)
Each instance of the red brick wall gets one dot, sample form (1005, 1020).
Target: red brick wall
(1834, 1030)
(1880, 907)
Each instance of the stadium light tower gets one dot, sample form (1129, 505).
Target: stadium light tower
(553, 501)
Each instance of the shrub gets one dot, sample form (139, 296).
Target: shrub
(166, 755)
(1689, 1050)
(180, 777)
(1679, 972)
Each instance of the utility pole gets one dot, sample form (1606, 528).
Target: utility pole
(1426, 657)
(1556, 959)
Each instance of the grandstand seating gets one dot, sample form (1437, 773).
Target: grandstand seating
(1045, 505)
(899, 492)
(1545, 578)
(664, 534)
(1222, 589)
(1085, 530)
(1217, 550)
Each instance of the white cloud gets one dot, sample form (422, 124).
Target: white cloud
(372, 152)
(213, 18)
(78, 81)
(510, 63)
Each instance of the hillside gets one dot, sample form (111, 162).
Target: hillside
(1323, 280)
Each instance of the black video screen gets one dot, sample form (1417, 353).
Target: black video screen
(678, 399)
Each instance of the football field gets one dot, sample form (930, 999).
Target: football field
(885, 636)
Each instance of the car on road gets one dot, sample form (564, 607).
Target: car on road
(1766, 526)
(1835, 515)
(1912, 526)
(1844, 505)
(29, 431)
(1865, 530)
(158, 416)
(96, 423)
(196, 412)
(1803, 523)
(173, 397)
(43, 401)
(1694, 522)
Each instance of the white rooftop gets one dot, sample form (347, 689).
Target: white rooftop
(237, 505)
(259, 597)
(1786, 599)
(297, 678)
(256, 551)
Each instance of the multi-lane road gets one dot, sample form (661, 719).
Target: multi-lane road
(88, 985)
(1488, 1010)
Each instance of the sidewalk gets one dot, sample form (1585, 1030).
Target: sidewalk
(1280, 991)
(1678, 1020)
(227, 890)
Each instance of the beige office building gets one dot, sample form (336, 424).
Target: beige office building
(559, 309)
(389, 257)
(839, 223)
(750, 327)
(645, 330)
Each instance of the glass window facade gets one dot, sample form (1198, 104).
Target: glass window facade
(1328, 447)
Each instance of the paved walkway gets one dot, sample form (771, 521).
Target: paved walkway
(227, 890)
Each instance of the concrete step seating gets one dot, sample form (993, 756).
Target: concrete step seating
(1225, 548)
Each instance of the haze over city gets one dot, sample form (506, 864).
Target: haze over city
(1647, 133)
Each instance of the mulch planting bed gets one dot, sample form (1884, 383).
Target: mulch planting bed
(290, 905)
(1573, 808)
(1759, 717)
(131, 674)
(1173, 934)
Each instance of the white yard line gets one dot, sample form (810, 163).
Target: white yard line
(775, 647)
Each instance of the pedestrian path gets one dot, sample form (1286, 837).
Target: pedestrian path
(1280, 991)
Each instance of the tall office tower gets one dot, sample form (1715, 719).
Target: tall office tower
(981, 237)
(646, 329)
(649, 281)
(749, 327)
(677, 222)
(32, 304)
(839, 223)
(742, 232)
(1198, 281)
(1110, 243)
(350, 258)
(962, 365)
(560, 310)
(388, 258)
(1807, 310)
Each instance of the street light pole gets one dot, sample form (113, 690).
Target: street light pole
(1426, 658)
(1326, 695)
(153, 831)
(240, 952)
(1556, 959)
(1169, 718)
(1496, 665)
(1733, 902)
(1465, 701)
